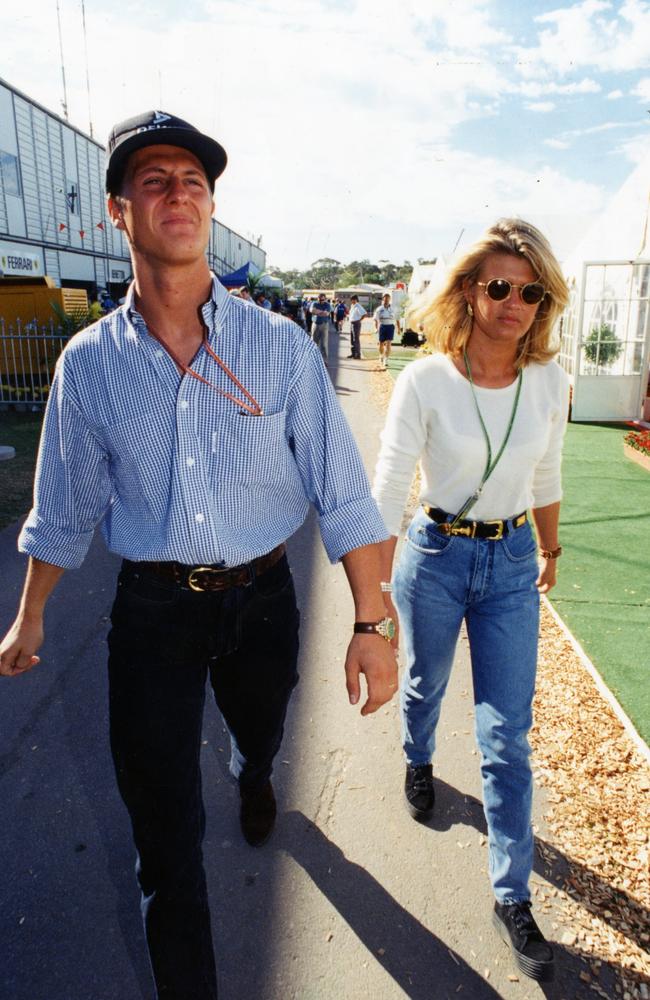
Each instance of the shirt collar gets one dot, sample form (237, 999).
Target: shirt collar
(218, 302)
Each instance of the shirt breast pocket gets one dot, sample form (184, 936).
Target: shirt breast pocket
(251, 451)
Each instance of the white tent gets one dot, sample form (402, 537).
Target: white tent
(605, 332)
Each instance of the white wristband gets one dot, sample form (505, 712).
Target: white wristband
(386, 588)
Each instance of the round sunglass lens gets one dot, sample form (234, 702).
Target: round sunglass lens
(498, 289)
(533, 293)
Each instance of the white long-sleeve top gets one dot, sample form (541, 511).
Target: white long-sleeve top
(432, 418)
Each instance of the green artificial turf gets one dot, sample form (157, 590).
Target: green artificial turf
(603, 590)
(21, 431)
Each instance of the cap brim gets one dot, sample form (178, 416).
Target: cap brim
(212, 155)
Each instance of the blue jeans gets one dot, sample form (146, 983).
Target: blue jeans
(164, 643)
(439, 582)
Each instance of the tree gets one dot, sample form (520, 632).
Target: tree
(602, 347)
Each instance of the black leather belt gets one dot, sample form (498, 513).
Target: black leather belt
(474, 529)
(209, 578)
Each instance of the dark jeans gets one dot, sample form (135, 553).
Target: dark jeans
(164, 643)
(355, 338)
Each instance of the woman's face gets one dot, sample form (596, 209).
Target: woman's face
(509, 320)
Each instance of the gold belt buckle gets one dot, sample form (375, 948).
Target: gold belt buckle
(499, 532)
(194, 584)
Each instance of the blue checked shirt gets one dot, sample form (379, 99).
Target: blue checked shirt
(172, 469)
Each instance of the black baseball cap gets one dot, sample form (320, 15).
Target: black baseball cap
(157, 128)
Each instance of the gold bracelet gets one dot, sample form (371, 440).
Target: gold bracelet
(551, 553)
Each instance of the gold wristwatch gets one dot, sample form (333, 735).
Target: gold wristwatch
(385, 627)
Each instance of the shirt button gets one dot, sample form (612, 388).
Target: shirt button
(184, 404)
(189, 461)
(199, 518)
(160, 354)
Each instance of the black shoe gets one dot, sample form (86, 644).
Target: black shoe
(419, 790)
(532, 953)
(349, 356)
(257, 813)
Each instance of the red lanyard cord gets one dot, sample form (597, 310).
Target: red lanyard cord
(249, 403)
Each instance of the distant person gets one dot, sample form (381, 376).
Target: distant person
(386, 323)
(107, 303)
(320, 323)
(95, 310)
(306, 313)
(262, 301)
(357, 312)
(485, 415)
(340, 312)
(245, 295)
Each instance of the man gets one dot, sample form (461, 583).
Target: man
(199, 450)
(245, 295)
(385, 323)
(357, 312)
(306, 314)
(340, 312)
(320, 323)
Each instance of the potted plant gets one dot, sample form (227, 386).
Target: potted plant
(636, 446)
(602, 347)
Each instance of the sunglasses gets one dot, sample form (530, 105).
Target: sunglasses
(500, 289)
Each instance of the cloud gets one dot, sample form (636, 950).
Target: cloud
(590, 34)
(642, 89)
(542, 106)
(635, 149)
(557, 143)
(614, 95)
(543, 88)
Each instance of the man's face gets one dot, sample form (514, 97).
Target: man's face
(165, 205)
(386, 301)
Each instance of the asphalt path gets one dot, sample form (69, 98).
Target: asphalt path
(350, 898)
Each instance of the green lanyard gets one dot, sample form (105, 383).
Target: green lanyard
(490, 465)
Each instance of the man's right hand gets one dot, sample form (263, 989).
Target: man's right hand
(18, 648)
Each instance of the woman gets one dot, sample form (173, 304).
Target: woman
(485, 415)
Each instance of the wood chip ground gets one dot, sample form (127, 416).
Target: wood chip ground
(596, 848)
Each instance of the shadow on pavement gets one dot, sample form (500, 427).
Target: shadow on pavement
(410, 953)
(454, 808)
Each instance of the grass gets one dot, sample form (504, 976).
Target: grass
(21, 431)
(603, 591)
(399, 357)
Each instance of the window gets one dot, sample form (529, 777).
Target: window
(10, 174)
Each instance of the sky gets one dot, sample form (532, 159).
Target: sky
(369, 129)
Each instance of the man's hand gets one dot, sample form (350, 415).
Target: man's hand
(373, 656)
(18, 648)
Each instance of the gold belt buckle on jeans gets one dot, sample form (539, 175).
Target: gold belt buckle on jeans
(499, 532)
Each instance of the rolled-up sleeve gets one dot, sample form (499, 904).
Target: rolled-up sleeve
(72, 487)
(330, 466)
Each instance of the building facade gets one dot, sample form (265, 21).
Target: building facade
(53, 218)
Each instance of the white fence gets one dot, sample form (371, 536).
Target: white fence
(28, 354)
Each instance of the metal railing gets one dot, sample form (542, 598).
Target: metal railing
(28, 354)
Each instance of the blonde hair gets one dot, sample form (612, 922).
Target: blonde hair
(445, 319)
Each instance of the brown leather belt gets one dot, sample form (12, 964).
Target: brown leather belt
(210, 578)
(474, 529)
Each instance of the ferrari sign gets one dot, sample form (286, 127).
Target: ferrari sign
(20, 263)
